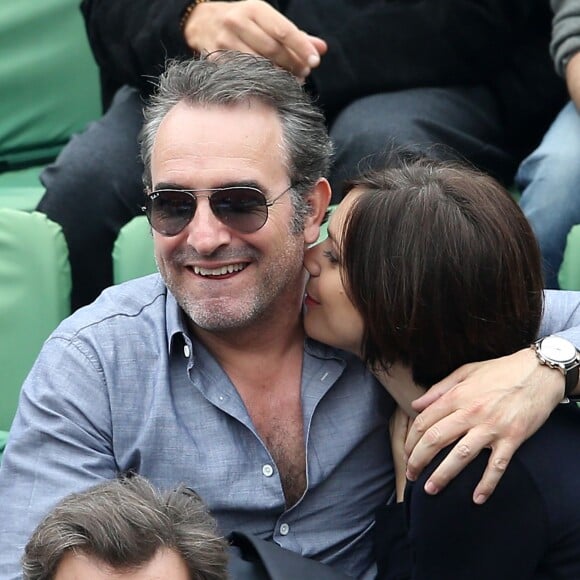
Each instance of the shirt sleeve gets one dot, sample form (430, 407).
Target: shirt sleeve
(60, 442)
(451, 537)
(565, 32)
(562, 315)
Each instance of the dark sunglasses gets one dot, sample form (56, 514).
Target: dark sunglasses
(242, 208)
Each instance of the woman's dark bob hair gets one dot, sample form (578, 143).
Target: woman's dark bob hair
(443, 267)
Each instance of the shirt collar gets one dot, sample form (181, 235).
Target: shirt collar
(175, 322)
(176, 327)
(324, 351)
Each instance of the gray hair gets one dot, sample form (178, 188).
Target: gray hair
(231, 77)
(124, 523)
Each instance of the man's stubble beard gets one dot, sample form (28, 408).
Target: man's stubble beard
(283, 276)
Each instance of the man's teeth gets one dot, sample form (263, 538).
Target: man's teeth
(219, 271)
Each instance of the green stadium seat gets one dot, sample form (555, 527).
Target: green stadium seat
(133, 251)
(34, 297)
(50, 90)
(21, 189)
(569, 274)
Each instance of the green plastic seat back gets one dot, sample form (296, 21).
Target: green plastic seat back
(21, 189)
(48, 78)
(569, 274)
(324, 227)
(35, 288)
(133, 251)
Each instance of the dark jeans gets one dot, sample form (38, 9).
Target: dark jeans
(94, 187)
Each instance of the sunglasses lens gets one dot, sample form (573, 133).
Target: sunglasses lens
(242, 208)
(170, 211)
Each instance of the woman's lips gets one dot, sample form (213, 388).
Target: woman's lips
(309, 301)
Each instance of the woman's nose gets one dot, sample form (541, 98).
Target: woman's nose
(312, 260)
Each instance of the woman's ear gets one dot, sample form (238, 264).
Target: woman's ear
(318, 200)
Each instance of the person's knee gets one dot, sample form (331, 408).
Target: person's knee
(424, 120)
(97, 177)
(375, 123)
(361, 138)
(85, 199)
(556, 158)
(550, 181)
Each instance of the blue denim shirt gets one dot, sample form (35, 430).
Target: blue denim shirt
(121, 385)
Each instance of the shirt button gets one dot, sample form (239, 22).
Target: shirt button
(186, 351)
(268, 470)
(284, 529)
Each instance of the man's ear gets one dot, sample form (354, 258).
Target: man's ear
(318, 200)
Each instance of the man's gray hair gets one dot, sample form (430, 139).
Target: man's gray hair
(124, 523)
(231, 77)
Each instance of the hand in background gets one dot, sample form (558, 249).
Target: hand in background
(255, 27)
(496, 404)
(573, 79)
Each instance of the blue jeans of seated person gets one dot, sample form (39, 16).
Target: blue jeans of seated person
(549, 179)
(94, 187)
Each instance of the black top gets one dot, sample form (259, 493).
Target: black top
(251, 558)
(374, 46)
(528, 529)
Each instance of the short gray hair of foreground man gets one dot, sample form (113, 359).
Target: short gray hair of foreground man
(125, 527)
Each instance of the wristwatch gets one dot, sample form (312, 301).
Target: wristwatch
(558, 353)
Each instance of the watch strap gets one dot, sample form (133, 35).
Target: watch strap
(571, 381)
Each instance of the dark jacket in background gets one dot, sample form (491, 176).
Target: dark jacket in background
(374, 46)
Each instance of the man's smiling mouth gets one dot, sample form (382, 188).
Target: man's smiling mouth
(220, 271)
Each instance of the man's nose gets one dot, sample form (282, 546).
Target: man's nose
(205, 232)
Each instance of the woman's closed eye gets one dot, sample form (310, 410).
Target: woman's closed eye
(330, 257)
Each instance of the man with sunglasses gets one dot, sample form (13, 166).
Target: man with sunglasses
(202, 374)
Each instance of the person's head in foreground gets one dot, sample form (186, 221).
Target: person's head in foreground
(428, 265)
(126, 529)
(235, 157)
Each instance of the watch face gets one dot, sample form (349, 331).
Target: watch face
(558, 349)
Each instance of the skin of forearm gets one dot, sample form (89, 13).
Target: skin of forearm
(573, 79)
